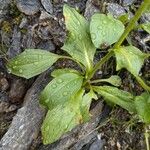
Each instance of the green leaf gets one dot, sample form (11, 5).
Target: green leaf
(124, 18)
(116, 96)
(146, 27)
(62, 119)
(142, 104)
(59, 72)
(78, 43)
(130, 58)
(60, 89)
(114, 80)
(31, 62)
(85, 105)
(105, 29)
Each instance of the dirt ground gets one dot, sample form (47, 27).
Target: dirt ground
(40, 24)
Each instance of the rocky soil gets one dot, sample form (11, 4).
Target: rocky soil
(40, 24)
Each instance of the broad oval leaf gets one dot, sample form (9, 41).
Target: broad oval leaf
(116, 96)
(59, 72)
(114, 80)
(31, 62)
(86, 103)
(142, 104)
(78, 44)
(130, 58)
(62, 119)
(105, 29)
(60, 89)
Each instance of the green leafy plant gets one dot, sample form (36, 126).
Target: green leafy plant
(69, 95)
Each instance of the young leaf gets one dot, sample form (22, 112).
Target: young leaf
(85, 104)
(31, 62)
(130, 58)
(116, 96)
(142, 104)
(62, 119)
(146, 27)
(59, 72)
(124, 18)
(60, 89)
(105, 29)
(78, 43)
(114, 80)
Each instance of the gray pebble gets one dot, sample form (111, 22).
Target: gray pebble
(4, 4)
(17, 90)
(44, 15)
(46, 45)
(145, 18)
(115, 9)
(29, 7)
(90, 10)
(47, 6)
(97, 144)
(23, 23)
(15, 47)
(128, 2)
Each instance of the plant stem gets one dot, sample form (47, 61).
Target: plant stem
(99, 64)
(147, 139)
(122, 38)
(132, 23)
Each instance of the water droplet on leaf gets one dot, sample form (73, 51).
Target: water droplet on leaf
(47, 100)
(80, 36)
(104, 21)
(103, 33)
(114, 29)
(79, 23)
(16, 62)
(54, 86)
(65, 93)
(99, 27)
(20, 71)
(60, 80)
(93, 35)
(47, 128)
(35, 63)
(40, 56)
(14, 67)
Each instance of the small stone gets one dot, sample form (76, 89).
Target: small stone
(46, 45)
(97, 144)
(90, 9)
(15, 47)
(4, 96)
(11, 108)
(115, 9)
(17, 90)
(29, 7)
(4, 4)
(23, 23)
(3, 106)
(44, 15)
(4, 85)
(145, 18)
(47, 6)
(128, 2)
